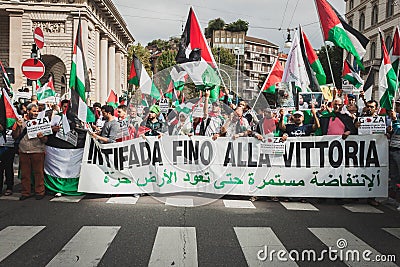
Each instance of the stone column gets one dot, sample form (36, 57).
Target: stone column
(97, 64)
(111, 68)
(103, 69)
(16, 46)
(118, 72)
(125, 74)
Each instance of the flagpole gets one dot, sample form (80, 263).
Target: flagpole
(269, 74)
(326, 49)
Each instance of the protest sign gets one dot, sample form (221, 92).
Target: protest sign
(324, 166)
(38, 125)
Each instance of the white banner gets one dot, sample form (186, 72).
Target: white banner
(325, 166)
(372, 125)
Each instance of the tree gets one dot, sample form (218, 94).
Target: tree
(166, 60)
(214, 24)
(238, 26)
(336, 58)
(224, 56)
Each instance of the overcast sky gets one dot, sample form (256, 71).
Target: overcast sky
(154, 19)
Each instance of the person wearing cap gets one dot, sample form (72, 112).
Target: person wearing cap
(297, 128)
(153, 122)
(111, 127)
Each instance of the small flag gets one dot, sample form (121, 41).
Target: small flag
(46, 92)
(395, 51)
(139, 77)
(351, 75)
(112, 99)
(5, 77)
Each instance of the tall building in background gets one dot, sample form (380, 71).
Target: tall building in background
(106, 39)
(256, 56)
(367, 17)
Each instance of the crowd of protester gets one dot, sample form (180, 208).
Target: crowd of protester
(220, 119)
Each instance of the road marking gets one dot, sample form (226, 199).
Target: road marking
(86, 248)
(393, 231)
(332, 237)
(69, 199)
(13, 237)
(174, 246)
(361, 208)
(239, 204)
(14, 197)
(253, 242)
(123, 200)
(179, 202)
(299, 206)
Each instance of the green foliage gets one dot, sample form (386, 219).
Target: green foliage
(224, 56)
(163, 45)
(214, 24)
(336, 58)
(237, 26)
(166, 60)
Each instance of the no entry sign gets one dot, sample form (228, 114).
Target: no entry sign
(33, 69)
(38, 37)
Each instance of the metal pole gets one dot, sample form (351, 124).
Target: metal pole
(237, 79)
(327, 54)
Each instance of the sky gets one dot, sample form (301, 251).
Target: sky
(162, 19)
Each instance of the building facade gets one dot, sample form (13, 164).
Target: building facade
(256, 57)
(367, 16)
(105, 35)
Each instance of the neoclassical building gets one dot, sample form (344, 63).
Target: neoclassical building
(106, 39)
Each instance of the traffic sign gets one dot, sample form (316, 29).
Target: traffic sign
(33, 69)
(38, 37)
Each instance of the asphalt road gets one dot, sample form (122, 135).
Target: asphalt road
(93, 232)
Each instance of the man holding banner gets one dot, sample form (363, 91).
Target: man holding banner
(31, 156)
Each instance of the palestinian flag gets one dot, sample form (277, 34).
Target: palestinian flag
(5, 77)
(274, 77)
(395, 51)
(139, 77)
(179, 77)
(336, 30)
(8, 112)
(46, 92)
(112, 99)
(202, 75)
(193, 38)
(351, 75)
(387, 79)
(79, 80)
(312, 57)
(298, 70)
(144, 101)
(38, 85)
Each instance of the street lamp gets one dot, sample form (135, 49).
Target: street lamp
(288, 43)
(237, 52)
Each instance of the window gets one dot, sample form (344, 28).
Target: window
(373, 51)
(388, 42)
(240, 40)
(351, 4)
(222, 39)
(389, 8)
(228, 39)
(234, 40)
(361, 24)
(351, 23)
(374, 15)
(216, 39)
